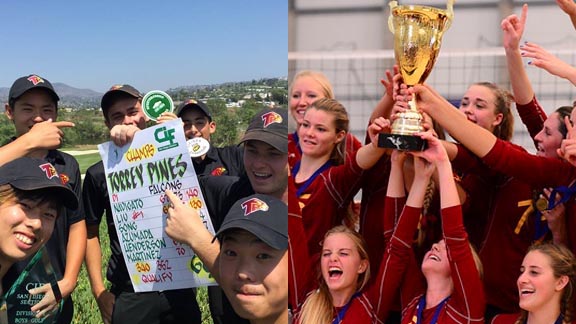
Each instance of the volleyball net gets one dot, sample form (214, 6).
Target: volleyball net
(356, 76)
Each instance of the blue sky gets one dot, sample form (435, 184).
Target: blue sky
(149, 44)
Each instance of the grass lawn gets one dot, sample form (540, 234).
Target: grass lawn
(85, 307)
(87, 160)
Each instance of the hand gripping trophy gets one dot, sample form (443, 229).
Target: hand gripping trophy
(418, 32)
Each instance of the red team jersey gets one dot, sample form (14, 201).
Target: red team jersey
(398, 270)
(300, 275)
(533, 116)
(467, 302)
(538, 172)
(325, 201)
(495, 205)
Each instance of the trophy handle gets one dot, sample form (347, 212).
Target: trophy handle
(393, 4)
(449, 12)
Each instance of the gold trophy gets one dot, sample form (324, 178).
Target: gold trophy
(418, 34)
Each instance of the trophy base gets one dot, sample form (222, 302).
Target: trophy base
(402, 142)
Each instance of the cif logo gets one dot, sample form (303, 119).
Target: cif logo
(163, 135)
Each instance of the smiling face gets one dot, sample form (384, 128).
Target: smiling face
(304, 91)
(341, 264)
(548, 140)
(254, 276)
(436, 260)
(197, 124)
(266, 168)
(479, 106)
(34, 106)
(26, 224)
(538, 288)
(126, 110)
(318, 134)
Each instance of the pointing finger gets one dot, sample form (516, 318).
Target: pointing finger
(61, 124)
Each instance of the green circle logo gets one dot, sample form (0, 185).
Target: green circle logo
(155, 103)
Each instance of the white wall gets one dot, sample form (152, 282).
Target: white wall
(327, 25)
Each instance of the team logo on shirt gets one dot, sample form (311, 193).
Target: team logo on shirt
(271, 118)
(64, 178)
(116, 87)
(49, 170)
(35, 79)
(253, 205)
(218, 171)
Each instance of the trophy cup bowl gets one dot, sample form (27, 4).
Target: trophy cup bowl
(418, 32)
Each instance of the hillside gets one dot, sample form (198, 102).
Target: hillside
(271, 91)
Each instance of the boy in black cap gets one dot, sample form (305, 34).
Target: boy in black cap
(33, 101)
(265, 164)
(251, 264)
(123, 115)
(34, 197)
(218, 160)
(265, 159)
(33, 108)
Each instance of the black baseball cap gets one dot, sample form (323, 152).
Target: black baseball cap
(32, 81)
(191, 103)
(264, 216)
(110, 96)
(29, 174)
(269, 126)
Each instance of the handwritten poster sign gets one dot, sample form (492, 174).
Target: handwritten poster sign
(137, 175)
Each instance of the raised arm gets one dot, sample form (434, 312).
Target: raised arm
(370, 153)
(384, 106)
(399, 253)
(477, 139)
(569, 7)
(468, 295)
(549, 62)
(512, 29)
(184, 224)
(42, 137)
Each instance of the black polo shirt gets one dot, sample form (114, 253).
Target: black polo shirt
(220, 193)
(221, 161)
(95, 193)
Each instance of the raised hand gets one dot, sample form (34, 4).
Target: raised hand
(46, 135)
(435, 152)
(513, 29)
(567, 149)
(122, 134)
(183, 223)
(165, 117)
(379, 125)
(393, 79)
(568, 6)
(545, 60)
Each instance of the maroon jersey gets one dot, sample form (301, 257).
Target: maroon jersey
(372, 227)
(372, 305)
(493, 213)
(467, 303)
(533, 116)
(325, 201)
(538, 172)
(299, 267)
